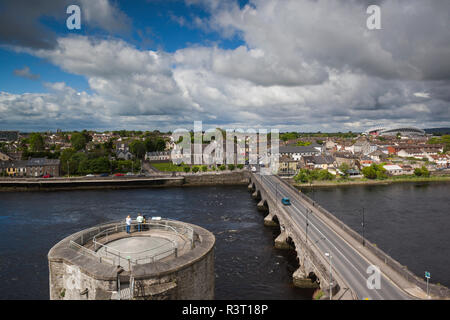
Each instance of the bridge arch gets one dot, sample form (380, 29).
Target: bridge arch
(275, 219)
(291, 244)
(266, 205)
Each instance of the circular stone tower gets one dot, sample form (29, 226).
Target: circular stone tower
(163, 259)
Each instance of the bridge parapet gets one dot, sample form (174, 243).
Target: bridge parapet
(313, 269)
(389, 265)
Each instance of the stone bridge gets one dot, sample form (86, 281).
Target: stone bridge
(329, 252)
(313, 270)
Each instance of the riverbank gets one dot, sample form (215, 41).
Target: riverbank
(364, 181)
(81, 183)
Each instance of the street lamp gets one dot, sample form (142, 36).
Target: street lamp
(312, 191)
(68, 169)
(329, 256)
(307, 224)
(364, 243)
(276, 197)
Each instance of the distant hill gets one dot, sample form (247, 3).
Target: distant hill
(438, 131)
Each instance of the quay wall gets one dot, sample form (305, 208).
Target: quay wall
(200, 179)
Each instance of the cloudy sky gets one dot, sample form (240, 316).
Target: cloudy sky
(296, 65)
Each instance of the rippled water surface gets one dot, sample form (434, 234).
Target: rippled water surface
(247, 265)
(409, 221)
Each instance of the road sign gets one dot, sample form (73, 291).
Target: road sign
(427, 275)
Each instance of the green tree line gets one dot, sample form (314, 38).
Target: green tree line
(80, 163)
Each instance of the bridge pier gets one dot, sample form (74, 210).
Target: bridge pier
(250, 187)
(301, 280)
(261, 206)
(281, 241)
(255, 195)
(268, 221)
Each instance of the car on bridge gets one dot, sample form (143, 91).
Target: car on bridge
(286, 201)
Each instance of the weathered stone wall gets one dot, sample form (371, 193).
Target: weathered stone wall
(231, 178)
(87, 184)
(199, 179)
(194, 281)
(68, 282)
(75, 275)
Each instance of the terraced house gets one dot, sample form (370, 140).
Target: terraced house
(35, 167)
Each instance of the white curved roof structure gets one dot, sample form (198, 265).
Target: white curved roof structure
(393, 130)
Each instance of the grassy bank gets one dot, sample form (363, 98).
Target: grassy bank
(365, 181)
(171, 167)
(167, 166)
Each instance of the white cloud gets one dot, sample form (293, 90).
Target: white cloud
(424, 95)
(306, 65)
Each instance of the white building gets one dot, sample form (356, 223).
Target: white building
(393, 169)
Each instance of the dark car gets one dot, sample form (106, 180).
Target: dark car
(104, 175)
(286, 201)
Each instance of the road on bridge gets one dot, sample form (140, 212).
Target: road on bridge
(346, 260)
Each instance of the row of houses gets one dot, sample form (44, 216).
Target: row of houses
(34, 167)
(417, 151)
(294, 158)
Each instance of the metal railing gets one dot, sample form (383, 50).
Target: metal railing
(141, 257)
(98, 236)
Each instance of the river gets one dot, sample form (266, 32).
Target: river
(409, 221)
(247, 266)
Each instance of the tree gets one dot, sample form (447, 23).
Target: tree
(303, 176)
(344, 168)
(369, 172)
(153, 143)
(78, 141)
(160, 144)
(421, 172)
(36, 142)
(75, 161)
(324, 175)
(66, 155)
(149, 145)
(3, 147)
(99, 165)
(375, 171)
(137, 148)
